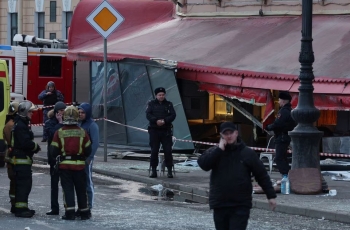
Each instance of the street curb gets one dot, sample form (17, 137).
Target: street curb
(201, 196)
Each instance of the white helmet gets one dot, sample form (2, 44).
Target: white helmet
(24, 107)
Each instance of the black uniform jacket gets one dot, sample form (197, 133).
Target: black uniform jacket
(283, 123)
(230, 179)
(160, 110)
(51, 126)
(24, 144)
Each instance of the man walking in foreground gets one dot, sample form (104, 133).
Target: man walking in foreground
(231, 164)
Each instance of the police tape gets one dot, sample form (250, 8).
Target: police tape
(214, 144)
(51, 106)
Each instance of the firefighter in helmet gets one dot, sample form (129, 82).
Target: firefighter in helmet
(23, 149)
(72, 144)
(12, 113)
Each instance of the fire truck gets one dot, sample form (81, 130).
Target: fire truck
(33, 63)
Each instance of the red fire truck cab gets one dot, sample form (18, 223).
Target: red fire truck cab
(33, 63)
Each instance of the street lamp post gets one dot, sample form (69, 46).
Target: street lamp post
(305, 137)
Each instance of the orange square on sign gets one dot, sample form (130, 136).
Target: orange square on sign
(105, 19)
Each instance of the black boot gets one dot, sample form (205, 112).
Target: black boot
(69, 215)
(85, 215)
(25, 213)
(170, 172)
(154, 172)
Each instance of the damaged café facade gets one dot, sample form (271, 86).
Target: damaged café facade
(214, 69)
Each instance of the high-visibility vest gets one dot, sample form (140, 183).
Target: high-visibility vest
(68, 161)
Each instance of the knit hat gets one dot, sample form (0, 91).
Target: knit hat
(59, 105)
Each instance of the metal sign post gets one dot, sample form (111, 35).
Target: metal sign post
(105, 19)
(105, 99)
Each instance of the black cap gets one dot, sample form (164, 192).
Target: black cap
(284, 95)
(227, 126)
(159, 90)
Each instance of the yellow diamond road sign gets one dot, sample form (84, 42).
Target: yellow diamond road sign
(105, 19)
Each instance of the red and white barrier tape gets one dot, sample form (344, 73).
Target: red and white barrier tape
(213, 144)
(51, 106)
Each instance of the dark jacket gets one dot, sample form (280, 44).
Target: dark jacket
(51, 126)
(52, 98)
(23, 139)
(283, 123)
(160, 110)
(230, 179)
(91, 127)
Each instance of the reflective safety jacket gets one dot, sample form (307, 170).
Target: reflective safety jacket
(22, 142)
(73, 145)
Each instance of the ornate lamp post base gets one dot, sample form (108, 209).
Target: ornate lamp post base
(305, 149)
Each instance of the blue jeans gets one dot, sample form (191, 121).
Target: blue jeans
(89, 184)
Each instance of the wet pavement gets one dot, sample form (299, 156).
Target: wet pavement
(127, 205)
(192, 184)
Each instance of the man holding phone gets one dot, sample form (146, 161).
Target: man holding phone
(54, 123)
(231, 164)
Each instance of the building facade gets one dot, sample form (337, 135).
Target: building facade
(42, 18)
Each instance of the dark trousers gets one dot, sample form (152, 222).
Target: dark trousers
(231, 218)
(70, 181)
(23, 186)
(281, 157)
(12, 191)
(164, 137)
(54, 189)
(45, 118)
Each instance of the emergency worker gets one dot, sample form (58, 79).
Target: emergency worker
(72, 144)
(283, 123)
(54, 123)
(160, 113)
(49, 96)
(23, 149)
(7, 137)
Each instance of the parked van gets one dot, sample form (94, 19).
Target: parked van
(4, 105)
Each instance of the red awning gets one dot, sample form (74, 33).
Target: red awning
(256, 45)
(252, 53)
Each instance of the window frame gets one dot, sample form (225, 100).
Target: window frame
(52, 36)
(13, 26)
(53, 11)
(68, 22)
(41, 25)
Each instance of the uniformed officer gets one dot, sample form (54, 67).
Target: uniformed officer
(10, 121)
(73, 145)
(24, 147)
(283, 123)
(160, 114)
